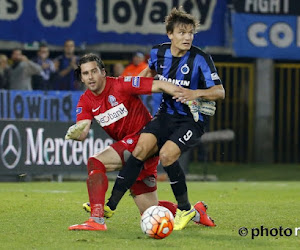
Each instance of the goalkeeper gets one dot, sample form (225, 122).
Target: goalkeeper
(114, 103)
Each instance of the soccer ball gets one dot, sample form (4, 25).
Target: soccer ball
(157, 222)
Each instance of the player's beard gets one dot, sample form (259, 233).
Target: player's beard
(96, 87)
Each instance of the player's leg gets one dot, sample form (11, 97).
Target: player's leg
(144, 193)
(184, 137)
(123, 148)
(185, 211)
(145, 148)
(169, 155)
(97, 185)
(144, 201)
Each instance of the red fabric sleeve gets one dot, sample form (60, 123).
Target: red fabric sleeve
(83, 110)
(136, 85)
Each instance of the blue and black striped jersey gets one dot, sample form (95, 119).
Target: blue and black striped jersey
(195, 70)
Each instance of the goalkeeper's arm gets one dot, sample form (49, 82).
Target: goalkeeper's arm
(78, 131)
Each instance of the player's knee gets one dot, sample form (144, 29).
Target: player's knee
(140, 152)
(94, 164)
(166, 158)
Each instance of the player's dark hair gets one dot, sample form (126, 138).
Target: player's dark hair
(179, 16)
(88, 58)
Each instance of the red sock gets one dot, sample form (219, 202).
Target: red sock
(97, 185)
(169, 205)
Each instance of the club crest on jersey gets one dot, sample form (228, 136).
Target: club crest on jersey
(129, 141)
(112, 100)
(78, 110)
(185, 69)
(136, 81)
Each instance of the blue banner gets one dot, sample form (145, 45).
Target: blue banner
(106, 21)
(51, 105)
(266, 34)
(39, 105)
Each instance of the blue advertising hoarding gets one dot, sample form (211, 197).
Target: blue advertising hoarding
(106, 21)
(39, 105)
(271, 30)
(57, 106)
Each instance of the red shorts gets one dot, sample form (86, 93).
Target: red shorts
(146, 181)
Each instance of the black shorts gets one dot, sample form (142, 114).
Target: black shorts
(180, 129)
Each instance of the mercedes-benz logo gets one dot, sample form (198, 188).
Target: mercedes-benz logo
(10, 146)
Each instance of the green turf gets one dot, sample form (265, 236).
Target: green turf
(37, 215)
(248, 172)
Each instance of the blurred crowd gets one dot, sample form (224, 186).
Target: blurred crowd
(18, 72)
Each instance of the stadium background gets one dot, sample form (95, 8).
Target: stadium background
(255, 46)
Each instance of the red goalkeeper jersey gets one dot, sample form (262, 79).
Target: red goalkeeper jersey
(118, 109)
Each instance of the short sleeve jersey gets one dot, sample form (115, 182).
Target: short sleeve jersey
(194, 70)
(118, 109)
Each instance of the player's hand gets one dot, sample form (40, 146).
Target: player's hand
(193, 105)
(207, 107)
(183, 95)
(75, 131)
(203, 106)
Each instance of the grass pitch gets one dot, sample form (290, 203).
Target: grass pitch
(37, 215)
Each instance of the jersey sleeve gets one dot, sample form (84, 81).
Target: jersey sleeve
(210, 72)
(152, 62)
(83, 111)
(136, 85)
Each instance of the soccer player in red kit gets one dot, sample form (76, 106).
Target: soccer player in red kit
(114, 103)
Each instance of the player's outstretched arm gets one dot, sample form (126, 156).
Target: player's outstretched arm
(78, 131)
(166, 87)
(147, 72)
(212, 94)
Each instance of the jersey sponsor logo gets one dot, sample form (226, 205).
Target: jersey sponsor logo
(94, 110)
(78, 110)
(185, 69)
(112, 115)
(112, 100)
(175, 81)
(136, 81)
(214, 76)
(127, 78)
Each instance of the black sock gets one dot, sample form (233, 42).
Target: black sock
(178, 184)
(126, 178)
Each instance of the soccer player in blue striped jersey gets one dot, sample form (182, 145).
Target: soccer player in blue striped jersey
(174, 130)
